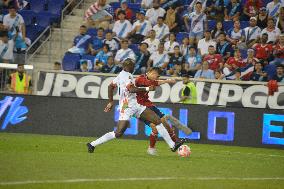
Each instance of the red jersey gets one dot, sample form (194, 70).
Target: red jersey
(235, 63)
(263, 51)
(279, 51)
(213, 60)
(143, 97)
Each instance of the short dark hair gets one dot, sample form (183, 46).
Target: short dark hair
(161, 17)
(57, 63)
(198, 2)
(121, 12)
(222, 33)
(124, 40)
(155, 69)
(143, 43)
(107, 46)
(83, 26)
(101, 29)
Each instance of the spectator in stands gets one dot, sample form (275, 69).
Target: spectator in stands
(192, 6)
(233, 10)
(272, 31)
(140, 29)
(121, 26)
(110, 67)
(238, 75)
(279, 76)
(20, 82)
(214, 60)
(233, 63)
(172, 20)
(171, 44)
(82, 42)
(99, 15)
(152, 14)
(251, 9)
(219, 75)
(162, 30)
(146, 4)
(124, 7)
(6, 48)
(192, 62)
(97, 43)
(258, 73)
(142, 59)
(262, 18)
(14, 23)
(217, 30)
(234, 35)
(57, 66)
(205, 72)
(224, 48)
(250, 35)
(184, 47)
(159, 59)
(280, 20)
(175, 63)
(215, 9)
(102, 57)
(152, 42)
(250, 57)
(84, 66)
(274, 7)
(263, 50)
(111, 41)
(196, 23)
(124, 53)
(204, 43)
(279, 51)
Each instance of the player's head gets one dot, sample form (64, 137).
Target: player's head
(128, 65)
(153, 73)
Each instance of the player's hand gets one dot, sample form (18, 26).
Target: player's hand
(171, 81)
(152, 88)
(108, 107)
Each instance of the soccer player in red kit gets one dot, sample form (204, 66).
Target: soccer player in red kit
(151, 79)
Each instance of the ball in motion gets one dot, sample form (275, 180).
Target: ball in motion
(184, 151)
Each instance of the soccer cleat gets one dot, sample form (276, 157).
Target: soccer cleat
(90, 148)
(178, 144)
(152, 151)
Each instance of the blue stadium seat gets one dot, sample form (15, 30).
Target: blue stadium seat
(58, 2)
(180, 36)
(134, 47)
(55, 9)
(227, 25)
(70, 62)
(88, 57)
(244, 53)
(28, 16)
(32, 32)
(134, 6)
(211, 24)
(43, 19)
(92, 32)
(37, 6)
(244, 24)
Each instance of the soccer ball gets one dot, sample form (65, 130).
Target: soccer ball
(184, 151)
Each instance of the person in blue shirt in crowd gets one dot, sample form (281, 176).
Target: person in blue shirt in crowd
(192, 62)
(97, 43)
(142, 58)
(205, 72)
(102, 56)
(279, 76)
(82, 42)
(233, 10)
(258, 73)
(110, 67)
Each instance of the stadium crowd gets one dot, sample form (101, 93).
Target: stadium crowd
(233, 40)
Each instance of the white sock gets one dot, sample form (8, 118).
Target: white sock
(107, 137)
(164, 133)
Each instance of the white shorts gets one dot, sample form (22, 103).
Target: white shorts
(134, 111)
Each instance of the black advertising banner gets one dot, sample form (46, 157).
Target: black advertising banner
(221, 93)
(85, 117)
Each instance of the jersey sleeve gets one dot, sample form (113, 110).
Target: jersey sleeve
(115, 81)
(143, 82)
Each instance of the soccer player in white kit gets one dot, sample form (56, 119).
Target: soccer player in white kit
(129, 107)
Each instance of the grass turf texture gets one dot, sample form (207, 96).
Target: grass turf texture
(40, 158)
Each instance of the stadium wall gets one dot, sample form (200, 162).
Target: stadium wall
(85, 117)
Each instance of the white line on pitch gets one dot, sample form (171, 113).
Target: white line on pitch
(136, 179)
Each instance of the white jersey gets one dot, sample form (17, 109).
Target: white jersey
(123, 54)
(128, 104)
(152, 45)
(12, 23)
(153, 14)
(272, 35)
(273, 9)
(145, 27)
(6, 50)
(159, 59)
(121, 29)
(161, 31)
(196, 21)
(169, 47)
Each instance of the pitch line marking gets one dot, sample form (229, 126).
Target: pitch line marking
(137, 179)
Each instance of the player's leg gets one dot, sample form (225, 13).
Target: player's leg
(150, 116)
(153, 139)
(177, 124)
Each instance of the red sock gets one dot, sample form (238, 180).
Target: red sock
(153, 140)
(173, 135)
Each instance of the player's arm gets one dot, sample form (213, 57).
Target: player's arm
(133, 89)
(169, 81)
(111, 88)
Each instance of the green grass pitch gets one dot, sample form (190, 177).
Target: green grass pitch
(41, 161)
